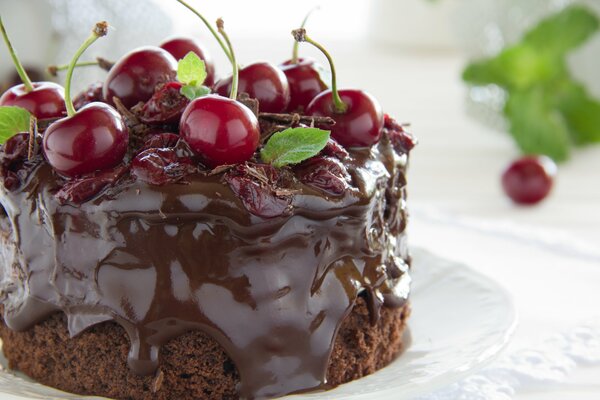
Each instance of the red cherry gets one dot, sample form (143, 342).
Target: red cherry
(94, 138)
(528, 180)
(46, 100)
(179, 47)
(304, 80)
(221, 130)
(135, 76)
(262, 81)
(359, 126)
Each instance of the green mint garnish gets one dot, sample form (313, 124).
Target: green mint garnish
(294, 145)
(191, 71)
(547, 109)
(12, 121)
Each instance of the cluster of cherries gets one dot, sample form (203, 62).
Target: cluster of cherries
(217, 127)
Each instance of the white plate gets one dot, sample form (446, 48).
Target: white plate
(461, 320)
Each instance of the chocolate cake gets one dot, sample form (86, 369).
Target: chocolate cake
(169, 276)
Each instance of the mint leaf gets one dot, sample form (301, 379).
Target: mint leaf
(580, 111)
(520, 67)
(536, 126)
(563, 31)
(193, 92)
(12, 121)
(191, 70)
(294, 145)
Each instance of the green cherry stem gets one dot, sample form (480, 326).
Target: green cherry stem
(20, 70)
(103, 63)
(100, 30)
(235, 76)
(209, 26)
(55, 69)
(338, 104)
(296, 43)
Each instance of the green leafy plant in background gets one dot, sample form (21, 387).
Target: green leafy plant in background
(548, 111)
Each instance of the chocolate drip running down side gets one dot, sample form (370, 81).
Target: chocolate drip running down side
(164, 260)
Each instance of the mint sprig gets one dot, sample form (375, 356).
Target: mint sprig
(12, 121)
(293, 146)
(191, 71)
(547, 109)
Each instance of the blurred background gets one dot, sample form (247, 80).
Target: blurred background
(410, 54)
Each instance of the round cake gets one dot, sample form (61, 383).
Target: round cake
(168, 275)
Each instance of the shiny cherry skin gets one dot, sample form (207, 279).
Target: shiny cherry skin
(135, 76)
(93, 139)
(220, 130)
(529, 179)
(262, 81)
(305, 82)
(46, 100)
(362, 123)
(179, 47)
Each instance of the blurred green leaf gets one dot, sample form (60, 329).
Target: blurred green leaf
(581, 112)
(564, 31)
(546, 108)
(536, 126)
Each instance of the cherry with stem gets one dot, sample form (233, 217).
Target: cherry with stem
(45, 100)
(233, 135)
(91, 139)
(358, 115)
(303, 76)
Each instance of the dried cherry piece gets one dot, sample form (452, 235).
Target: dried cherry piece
(79, 190)
(159, 166)
(93, 93)
(160, 140)
(165, 106)
(402, 141)
(324, 173)
(334, 149)
(14, 164)
(257, 186)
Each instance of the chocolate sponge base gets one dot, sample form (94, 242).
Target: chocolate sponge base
(192, 366)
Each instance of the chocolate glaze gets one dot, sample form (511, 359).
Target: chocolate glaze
(163, 260)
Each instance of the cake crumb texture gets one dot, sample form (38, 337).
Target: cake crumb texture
(192, 366)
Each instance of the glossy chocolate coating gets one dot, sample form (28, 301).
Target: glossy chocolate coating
(162, 260)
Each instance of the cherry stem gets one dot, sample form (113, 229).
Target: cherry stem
(338, 104)
(235, 76)
(106, 65)
(210, 28)
(100, 30)
(20, 70)
(297, 44)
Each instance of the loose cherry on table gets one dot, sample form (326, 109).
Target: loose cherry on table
(529, 179)
(262, 81)
(91, 139)
(358, 115)
(135, 76)
(304, 80)
(179, 47)
(42, 99)
(221, 130)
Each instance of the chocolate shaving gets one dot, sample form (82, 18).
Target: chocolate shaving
(249, 102)
(291, 119)
(33, 132)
